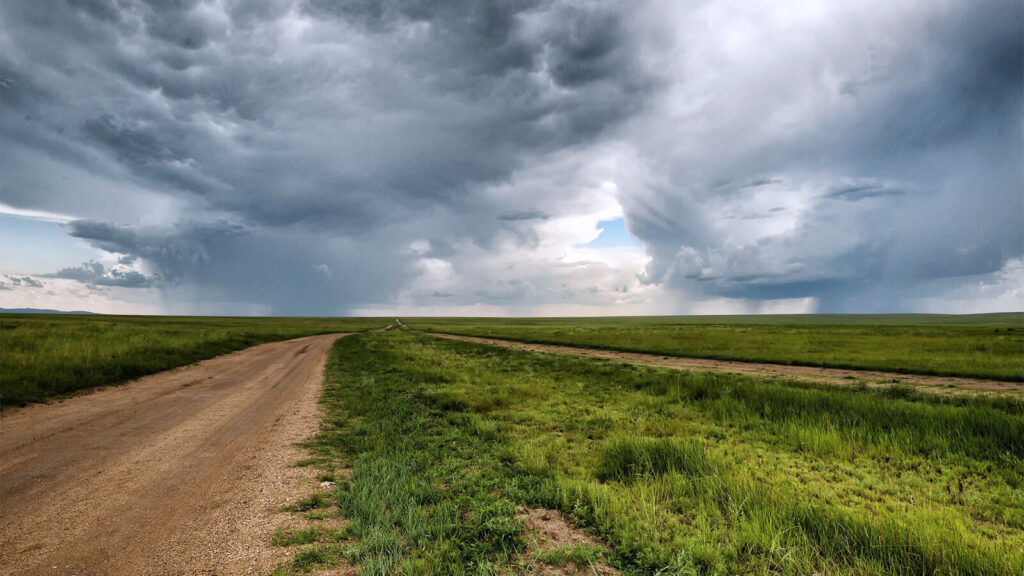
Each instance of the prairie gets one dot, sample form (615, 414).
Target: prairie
(981, 345)
(450, 444)
(438, 456)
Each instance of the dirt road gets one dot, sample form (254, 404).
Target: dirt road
(177, 473)
(838, 376)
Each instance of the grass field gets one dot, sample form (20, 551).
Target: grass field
(982, 345)
(42, 356)
(675, 472)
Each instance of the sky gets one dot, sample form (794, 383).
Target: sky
(560, 157)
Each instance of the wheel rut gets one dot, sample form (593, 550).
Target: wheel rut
(836, 376)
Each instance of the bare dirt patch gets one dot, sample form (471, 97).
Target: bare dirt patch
(182, 472)
(835, 376)
(546, 530)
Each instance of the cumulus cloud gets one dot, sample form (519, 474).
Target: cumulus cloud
(315, 157)
(93, 273)
(70, 295)
(14, 281)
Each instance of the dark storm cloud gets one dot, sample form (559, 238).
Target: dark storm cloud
(313, 156)
(860, 191)
(254, 265)
(489, 32)
(762, 181)
(313, 121)
(521, 215)
(176, 252)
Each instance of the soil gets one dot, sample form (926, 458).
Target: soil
(547, 530)
(837, 376)
(182, 472)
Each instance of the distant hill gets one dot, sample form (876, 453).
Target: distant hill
(40, 311)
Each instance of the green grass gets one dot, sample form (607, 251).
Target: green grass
(580, 555)
(627, 458)
(42, 356)
(982, 345)
(314, 502)
(678, 473)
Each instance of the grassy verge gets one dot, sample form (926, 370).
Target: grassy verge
(49, 355)
(678, 473)
(984, 345)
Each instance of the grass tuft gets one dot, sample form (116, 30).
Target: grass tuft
(626, 458)
(580, 555)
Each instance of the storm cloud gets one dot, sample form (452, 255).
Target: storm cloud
(331, 157)
(95, 274)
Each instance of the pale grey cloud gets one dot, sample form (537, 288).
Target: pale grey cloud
(893, 136)
(14, 281)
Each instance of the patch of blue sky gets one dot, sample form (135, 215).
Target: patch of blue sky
(30, 246)
(614, 234)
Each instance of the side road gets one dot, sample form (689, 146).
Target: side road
(838, 376)
(176, 473)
